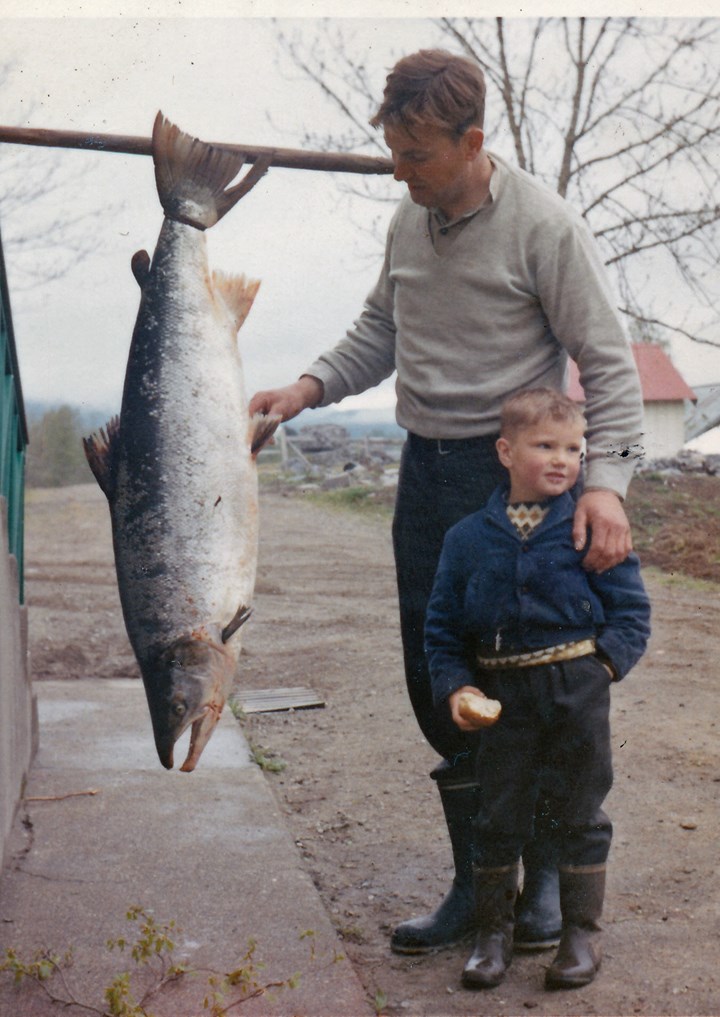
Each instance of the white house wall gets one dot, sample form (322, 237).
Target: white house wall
(664, 429)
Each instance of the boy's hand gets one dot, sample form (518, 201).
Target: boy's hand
(602, 512)
(464, 720)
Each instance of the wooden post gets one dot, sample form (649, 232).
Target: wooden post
(288, 158)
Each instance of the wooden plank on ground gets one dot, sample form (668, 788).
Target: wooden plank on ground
(270, 700)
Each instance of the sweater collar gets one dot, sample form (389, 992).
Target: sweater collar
(446, 224)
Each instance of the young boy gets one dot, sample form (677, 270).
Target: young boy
(515, 617)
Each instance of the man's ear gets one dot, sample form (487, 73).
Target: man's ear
(504, 452)
(473, 140)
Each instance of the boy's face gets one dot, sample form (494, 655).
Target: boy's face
(543, 459)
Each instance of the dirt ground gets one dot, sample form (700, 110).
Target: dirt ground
(355, 790)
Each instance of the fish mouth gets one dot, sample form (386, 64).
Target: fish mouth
(188, 688)
(201, 729)
(200, 732)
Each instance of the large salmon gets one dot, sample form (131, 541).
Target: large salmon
(178, 465)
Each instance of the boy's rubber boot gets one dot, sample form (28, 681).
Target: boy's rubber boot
(495, 895)
(454, 919)
(582, 891)
(538, 921)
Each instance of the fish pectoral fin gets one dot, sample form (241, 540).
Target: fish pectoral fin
(241, 616)
(262, 428)
(238, 293)
(99, 454)
(140, 266)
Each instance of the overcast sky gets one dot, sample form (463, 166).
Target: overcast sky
(222, 79)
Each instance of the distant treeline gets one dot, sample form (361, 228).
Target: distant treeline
(55, 455)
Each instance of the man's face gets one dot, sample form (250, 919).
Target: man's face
(435, 165)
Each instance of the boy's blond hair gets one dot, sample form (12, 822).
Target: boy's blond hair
(528, 407)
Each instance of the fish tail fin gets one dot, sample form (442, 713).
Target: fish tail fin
(262, 428)
(238, 292)
(99, 454)
(192, 176)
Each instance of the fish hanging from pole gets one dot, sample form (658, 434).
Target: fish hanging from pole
(178, 465)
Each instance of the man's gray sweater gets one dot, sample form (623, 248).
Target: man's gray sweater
(497, 308)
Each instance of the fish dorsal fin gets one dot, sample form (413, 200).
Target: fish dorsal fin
(262, 428)
(99, 454)
(237, 292)
(192, 176)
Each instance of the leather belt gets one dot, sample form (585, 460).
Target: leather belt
(547, 655)
(442, 446)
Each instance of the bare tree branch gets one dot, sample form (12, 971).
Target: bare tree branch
(619, 115)
(43, 246)
(644, 320)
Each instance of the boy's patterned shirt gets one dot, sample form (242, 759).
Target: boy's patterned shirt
(525, 516)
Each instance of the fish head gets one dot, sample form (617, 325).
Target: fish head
(188, 685)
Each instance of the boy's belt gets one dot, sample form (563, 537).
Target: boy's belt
(547, 655)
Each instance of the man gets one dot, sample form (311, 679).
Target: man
(490, 281)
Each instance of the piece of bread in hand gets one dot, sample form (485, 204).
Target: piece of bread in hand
(479, 710)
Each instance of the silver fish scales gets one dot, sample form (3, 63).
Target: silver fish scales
(178, 465)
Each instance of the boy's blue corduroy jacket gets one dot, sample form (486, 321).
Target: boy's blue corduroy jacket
(496, 593)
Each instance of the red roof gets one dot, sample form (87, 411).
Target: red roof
(659, 378)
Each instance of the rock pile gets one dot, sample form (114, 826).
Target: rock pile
(686, 461)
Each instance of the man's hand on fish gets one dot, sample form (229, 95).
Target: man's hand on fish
(287, 402)
(602, 514)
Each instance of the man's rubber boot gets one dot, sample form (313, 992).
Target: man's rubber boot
(454, 919)
(495, 895)
(582, 891)
(538, 921)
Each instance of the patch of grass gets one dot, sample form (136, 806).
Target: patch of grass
(376, 502)
(352, 934)
(236, 709)
(379, 1002)
(267, 760)
(681, 580)
(675, 521)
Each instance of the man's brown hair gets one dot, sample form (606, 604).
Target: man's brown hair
(435, 88)
(528, 407)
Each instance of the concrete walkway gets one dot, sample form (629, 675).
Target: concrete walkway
(208, 850)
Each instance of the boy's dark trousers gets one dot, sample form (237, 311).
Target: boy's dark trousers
(554, 723)
(554, 727)
(442, 481)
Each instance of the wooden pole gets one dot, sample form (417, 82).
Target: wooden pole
(288, 158)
